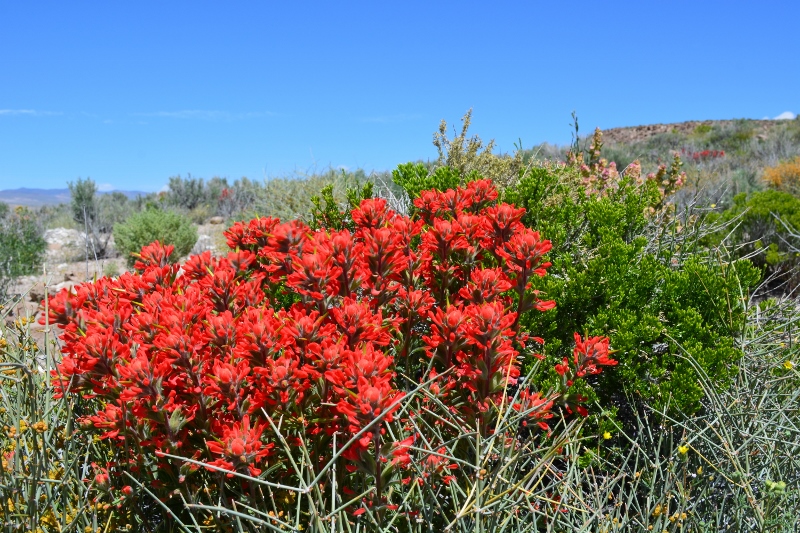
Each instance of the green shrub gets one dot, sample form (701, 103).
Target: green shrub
(151, 225)
(186, 193)
(416, 177)
(336, 214)
(461, 159)
(468, 155)
(622, 268)
(611, 275)
(764, 220)
(764, 227)
(22, 244)
(111, 269)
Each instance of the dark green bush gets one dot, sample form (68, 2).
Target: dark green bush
(151, 225)
(765, 220)
(417, 177)
(610, 276)
(764, 226)
(22, 244)
(614, 273)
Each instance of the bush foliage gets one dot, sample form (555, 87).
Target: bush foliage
(765, 228)
(618, 269)
(22, 245)
(151, 225)
(649, 300)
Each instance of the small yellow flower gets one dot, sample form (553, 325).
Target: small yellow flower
(683, 450)
(606, 435)
(699, 470)
(657, 511)
(788, 365)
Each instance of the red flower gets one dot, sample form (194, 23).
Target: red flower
(502, 222)
(448, 334)
(524, 252)
(400, 452)
(321, 331)
(313, 273)
(538, 407)
(372, 399)
(228, 383)
(372, 213)
(359, 323)
(591, 353)
(240, 447)
(485, 285)
(155, 254)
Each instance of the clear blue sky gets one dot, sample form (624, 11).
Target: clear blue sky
(130, 93)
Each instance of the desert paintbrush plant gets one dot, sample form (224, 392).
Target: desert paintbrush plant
(330, 379)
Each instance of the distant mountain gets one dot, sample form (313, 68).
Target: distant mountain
(40, 197)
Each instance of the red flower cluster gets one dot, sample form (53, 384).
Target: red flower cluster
(703, 155)
(196, 360)
(588, 355)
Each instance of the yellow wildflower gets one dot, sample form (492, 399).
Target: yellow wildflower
(658, 510)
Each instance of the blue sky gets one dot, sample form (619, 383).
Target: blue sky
(130, 93)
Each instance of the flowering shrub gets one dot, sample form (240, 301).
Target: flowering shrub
(305, 347)
(703, 155)
(784, 177)
(601, 177)
(625, 263)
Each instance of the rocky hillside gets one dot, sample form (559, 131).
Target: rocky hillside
(636, 134)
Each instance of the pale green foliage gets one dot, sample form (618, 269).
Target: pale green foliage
(152, 225)
(186, 193)
(96, 214)
(468, 155)
(286, 197)
(43, 462)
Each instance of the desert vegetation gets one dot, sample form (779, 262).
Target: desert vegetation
(598, 337)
